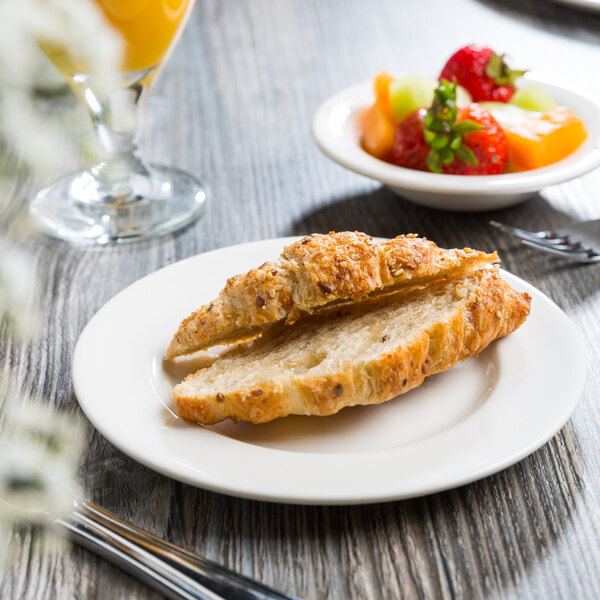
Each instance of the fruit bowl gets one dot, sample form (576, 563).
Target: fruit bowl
(335, 131)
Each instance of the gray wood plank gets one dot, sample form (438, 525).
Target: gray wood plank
(234, 106)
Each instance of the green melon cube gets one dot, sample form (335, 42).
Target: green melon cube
(533, 97)
(412, 92)
(409, 93)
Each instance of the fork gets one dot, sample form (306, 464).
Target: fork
(173, 571)
(579, 242)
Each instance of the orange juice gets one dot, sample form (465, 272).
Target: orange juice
(147, 28)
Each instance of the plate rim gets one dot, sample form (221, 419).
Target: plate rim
(312, 498)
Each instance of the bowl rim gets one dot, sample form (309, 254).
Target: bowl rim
(331, 131)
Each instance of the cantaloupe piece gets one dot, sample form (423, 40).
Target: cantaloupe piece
(544, 140)
(378, 132)
(381, 88)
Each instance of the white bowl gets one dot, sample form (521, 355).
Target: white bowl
(336, 133)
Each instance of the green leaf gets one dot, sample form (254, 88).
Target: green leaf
(500, 72)
(465, 127)
(429, 135)
(465, 154)
(495, 67)
(513, 75)
(440, 141)
(447, 111)
(455, 142)
(443, 134)
(434, 162)
(441, 127)
(447, 156)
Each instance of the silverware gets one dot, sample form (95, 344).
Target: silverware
(579, 242)
(174, 572)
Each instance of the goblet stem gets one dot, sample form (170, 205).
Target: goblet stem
(116, 116)
(121, 198)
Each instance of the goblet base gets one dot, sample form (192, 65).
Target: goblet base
(75, 210)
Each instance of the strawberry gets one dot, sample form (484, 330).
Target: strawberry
(482, 72)
(448, 139)
(410, 148)
(489, 145)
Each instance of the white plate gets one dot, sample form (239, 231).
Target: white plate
(476, 419)
(336, 133)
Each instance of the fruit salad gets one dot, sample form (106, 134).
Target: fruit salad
(474, 120)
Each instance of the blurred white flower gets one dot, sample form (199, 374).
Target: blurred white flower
(33, 486)
(75, 33)
(18, 315)
(18, 55)
(39, 447)
(40, 450)
(72, 31)
(30, 137)
(69, 25)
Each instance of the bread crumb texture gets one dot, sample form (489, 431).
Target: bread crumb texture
(314, 273)
(355, 353)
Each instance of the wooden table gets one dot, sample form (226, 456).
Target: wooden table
(234, 105)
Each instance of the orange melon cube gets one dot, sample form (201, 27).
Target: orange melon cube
(544, 140)
(381, 88)
(378, 132)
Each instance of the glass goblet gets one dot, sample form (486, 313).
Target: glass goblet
(121, 198)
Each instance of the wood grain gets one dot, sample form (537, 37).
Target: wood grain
(234, 106)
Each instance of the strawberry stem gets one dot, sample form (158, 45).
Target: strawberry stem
(500, 72)
(443, 134)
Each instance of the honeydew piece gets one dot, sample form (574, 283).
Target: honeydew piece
(509, 114)
(544, 140)
(410, 93)
(533, 97)
(463, 98)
